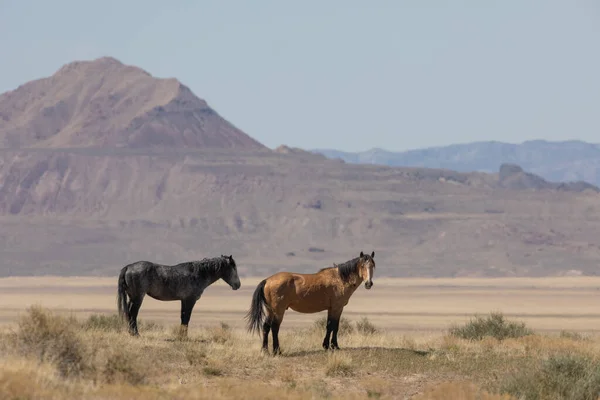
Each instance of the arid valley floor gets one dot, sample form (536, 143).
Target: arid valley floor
(412, 354)
(396, 305)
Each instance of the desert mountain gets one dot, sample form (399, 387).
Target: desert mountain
(104, 103)
(514, 177)
(182, 184)
(554, 161)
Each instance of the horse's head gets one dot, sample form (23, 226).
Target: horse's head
(230, 274)
(367, 268)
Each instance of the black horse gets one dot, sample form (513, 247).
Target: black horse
(185, 282)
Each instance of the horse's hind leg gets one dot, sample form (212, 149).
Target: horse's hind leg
(275, 329)
(266, 330)
(134, 308)
(275, 324)
(275, 311)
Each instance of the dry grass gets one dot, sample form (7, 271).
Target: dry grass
(51, 356)
(462, 391)
(564, 376)
(339, 364)
(85, 352)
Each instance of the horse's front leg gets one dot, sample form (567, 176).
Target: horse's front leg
(328, 330)
(187, 305)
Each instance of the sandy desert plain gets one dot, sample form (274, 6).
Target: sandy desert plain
(411, 355)
(397, 305)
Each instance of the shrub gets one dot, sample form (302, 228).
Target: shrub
(52, 338)
(365, 327)
(212, 370)
(493, 326)
(573, 336)
(123, 367)
(221, 334)
(113, 323)
(194, 356)
(570, 377)
(105, 323)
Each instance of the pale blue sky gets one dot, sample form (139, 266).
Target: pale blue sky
(344, 74)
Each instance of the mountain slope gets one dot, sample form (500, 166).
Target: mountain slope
(104, 103)
(554, 161)
(78, 212)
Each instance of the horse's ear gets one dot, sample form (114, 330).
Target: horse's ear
(231, 257)
(361, 254)
(373, 254)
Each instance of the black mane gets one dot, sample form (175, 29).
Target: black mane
(347, 269)
(208, 266)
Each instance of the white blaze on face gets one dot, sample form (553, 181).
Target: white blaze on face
(369, 282)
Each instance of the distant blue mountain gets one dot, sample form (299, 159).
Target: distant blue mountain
(554, 161)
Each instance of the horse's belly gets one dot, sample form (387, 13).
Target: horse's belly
(163, 297)
(309, 306)
(167, 293)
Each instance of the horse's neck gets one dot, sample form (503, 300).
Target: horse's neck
(355, 280)
(208, 278)
(212, 279)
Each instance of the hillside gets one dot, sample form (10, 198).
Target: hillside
(85, 201)
(554, 161)
(104, 103)
(76, 213)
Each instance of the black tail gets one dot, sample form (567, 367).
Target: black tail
(122, 304)
(256, 313)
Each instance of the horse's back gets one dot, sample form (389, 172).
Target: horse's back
(140, 267)
(321, 278)
(139, 272)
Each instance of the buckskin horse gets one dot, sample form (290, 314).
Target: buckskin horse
(185, 282)
(329, 289)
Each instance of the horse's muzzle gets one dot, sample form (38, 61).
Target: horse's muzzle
(236, 286)
(368, 284)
